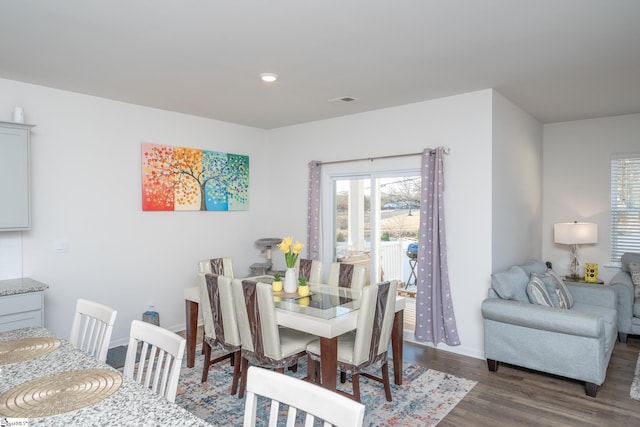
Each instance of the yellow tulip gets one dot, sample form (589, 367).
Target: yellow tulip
(297, 247)
(285, 244)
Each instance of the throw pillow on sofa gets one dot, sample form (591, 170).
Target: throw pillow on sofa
(537, 291)
(564, 296)
(511, 284)
(556, 288)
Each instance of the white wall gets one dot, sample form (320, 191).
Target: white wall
(462, 123)
(86, 189)
(577, 182)
(86, 186)
(517, 185)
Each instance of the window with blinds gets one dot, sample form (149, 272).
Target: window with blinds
(625, 206)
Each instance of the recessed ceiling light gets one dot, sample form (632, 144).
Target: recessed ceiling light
(268, 77)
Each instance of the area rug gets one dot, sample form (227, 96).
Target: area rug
(425, 397)
(635, 385)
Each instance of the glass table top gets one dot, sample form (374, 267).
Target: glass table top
(324, 301)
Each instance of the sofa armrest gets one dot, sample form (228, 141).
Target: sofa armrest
(543, 318)
(622, 282)
(625, 291)
(603, 296)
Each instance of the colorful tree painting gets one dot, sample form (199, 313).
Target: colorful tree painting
(178, 178)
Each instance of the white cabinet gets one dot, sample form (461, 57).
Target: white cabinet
(21, 303)
(15, 209)
(21, 311)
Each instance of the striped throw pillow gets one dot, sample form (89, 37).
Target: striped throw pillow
(564, 296)
(537, 292)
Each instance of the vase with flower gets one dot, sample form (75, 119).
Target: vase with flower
(291, 251)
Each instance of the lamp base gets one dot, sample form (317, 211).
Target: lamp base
(574, 278)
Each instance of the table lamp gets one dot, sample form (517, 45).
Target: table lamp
(574, 234)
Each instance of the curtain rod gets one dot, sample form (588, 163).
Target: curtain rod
(445, 150)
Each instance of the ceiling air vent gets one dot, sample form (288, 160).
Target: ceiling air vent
(343, 99)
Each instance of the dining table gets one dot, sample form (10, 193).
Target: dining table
(46, 381)
(328, 312)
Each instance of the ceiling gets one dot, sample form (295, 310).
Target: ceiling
(558, 60)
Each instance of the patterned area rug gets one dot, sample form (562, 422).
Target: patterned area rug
(424, 398)
(635, 385)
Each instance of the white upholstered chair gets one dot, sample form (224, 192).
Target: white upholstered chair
(92, 327)
(222, 266)
(347, 275)
(310, 269)
(220, 324)
(264, 344)
(315, 402)
(161, 353)
(369, 343)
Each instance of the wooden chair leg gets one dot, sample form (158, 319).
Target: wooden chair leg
(243, 377)
(385, 381)
(355, 380)
(206, 349)
(343, 376)
(236, 371)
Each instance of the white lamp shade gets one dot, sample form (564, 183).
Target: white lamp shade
(575, 233)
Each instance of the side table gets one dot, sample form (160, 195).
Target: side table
(581, 280)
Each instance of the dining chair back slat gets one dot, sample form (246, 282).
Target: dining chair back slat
(92, 328)
(160, 358)
(313, 402)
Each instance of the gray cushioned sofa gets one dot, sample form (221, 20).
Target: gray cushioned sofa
(628, 305)
(575, 343)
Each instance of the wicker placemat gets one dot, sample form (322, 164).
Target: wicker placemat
(26, 349)
(59, 393)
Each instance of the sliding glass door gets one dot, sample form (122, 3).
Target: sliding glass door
(375, 218)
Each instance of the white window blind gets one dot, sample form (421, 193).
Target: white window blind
(625, 206)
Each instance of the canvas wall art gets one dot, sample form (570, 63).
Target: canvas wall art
(190, 179)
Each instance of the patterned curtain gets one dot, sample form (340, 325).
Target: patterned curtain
(313, 211)
(435, 319)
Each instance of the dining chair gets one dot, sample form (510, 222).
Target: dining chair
(92, 327)
(160, 360)
(264, 344)
(310, 269)
(312, 401)
(220, 324)
(369, 343)
(347, 275)
(222, 266)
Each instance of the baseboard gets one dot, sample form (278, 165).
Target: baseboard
(409, 336)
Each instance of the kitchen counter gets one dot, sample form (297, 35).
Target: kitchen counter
(130, 405)
(20, 286)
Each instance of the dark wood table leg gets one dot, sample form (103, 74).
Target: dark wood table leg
(192, 330)
(396, 345)
(329, 362)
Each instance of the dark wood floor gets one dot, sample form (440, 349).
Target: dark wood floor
(515, 396)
